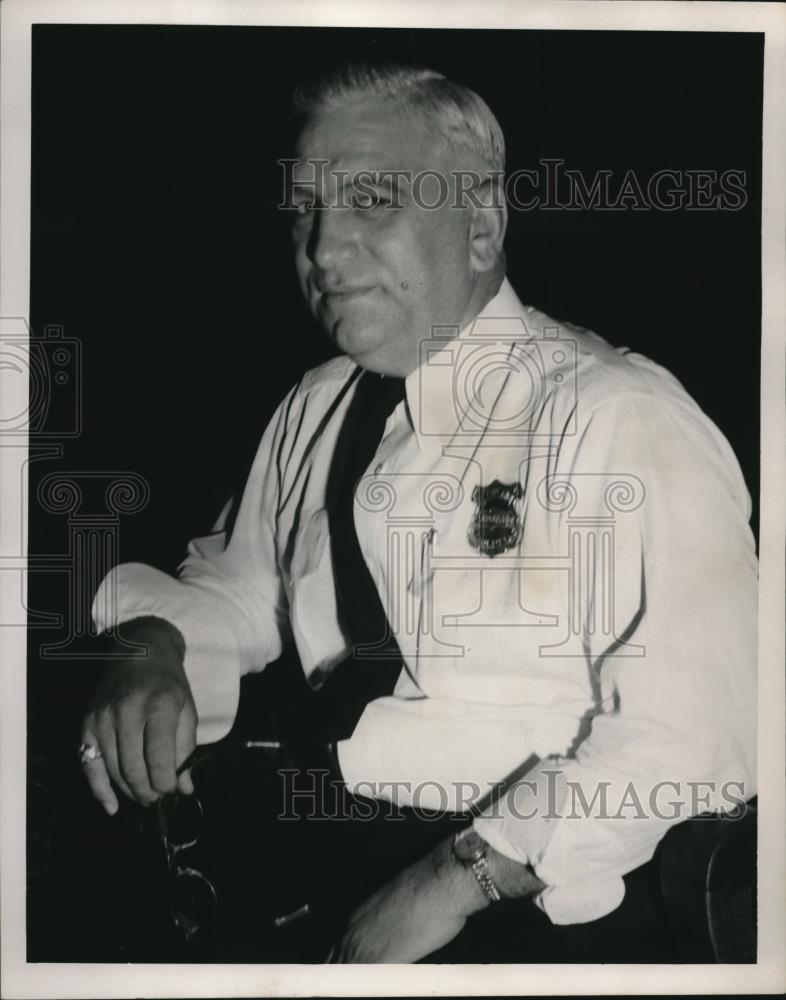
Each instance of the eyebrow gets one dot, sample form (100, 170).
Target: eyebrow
(310, 191)
(369, 177)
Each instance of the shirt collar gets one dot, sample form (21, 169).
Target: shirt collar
(461, 375)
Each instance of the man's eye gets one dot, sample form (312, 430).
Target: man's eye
(371, 199)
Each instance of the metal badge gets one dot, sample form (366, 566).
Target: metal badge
(496, 523)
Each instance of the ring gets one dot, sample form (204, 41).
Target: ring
(88, 752)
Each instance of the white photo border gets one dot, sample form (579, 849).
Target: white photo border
(22, 979)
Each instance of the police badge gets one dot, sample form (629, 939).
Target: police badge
(496, 523)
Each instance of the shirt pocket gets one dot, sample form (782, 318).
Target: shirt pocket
(311, 548)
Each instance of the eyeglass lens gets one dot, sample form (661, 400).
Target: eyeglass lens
(193, 901)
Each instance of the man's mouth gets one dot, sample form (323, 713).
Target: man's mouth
(344, 294)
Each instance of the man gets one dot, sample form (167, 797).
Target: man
(558, 537)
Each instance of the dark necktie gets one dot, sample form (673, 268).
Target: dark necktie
(360, 678)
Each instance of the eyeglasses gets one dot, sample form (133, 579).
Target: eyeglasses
(193, 898)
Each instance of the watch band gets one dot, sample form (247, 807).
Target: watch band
(477, 859)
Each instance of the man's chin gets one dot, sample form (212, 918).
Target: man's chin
(356, 339)
(371, 341)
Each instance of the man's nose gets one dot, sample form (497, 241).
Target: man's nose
(333, 237)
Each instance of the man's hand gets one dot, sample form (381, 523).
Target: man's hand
(420, 910)
(425, 906)
(143, 719)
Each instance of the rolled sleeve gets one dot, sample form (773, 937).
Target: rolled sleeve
(575, 892)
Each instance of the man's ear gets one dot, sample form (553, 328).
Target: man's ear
(488, 222)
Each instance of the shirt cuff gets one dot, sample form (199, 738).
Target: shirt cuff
(521, 827)
(212, 650)
(576, 903)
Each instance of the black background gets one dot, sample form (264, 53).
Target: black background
(156, 242)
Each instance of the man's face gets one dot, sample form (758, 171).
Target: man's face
(378, 278)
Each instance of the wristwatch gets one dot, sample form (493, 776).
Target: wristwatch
(472, 851)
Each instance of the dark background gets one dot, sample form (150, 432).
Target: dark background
(157, 244)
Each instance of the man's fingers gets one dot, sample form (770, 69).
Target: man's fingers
(131, 759)
(100, 785)
(100, 731)
(109, 748)
(135, 714)
(185, 741)
(160, 747)
(97, 778)
(185, 783)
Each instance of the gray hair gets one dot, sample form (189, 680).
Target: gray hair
(458, 113)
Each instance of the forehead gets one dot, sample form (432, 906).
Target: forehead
(373, 134)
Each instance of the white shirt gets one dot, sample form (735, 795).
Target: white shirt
(612, 632)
